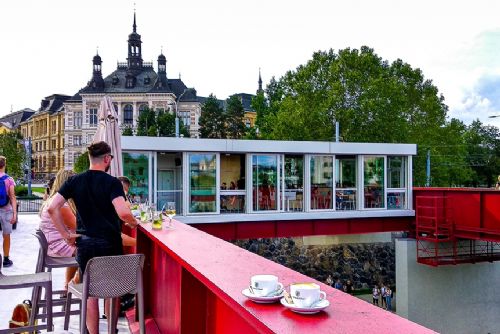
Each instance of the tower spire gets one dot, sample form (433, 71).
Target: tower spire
(260, 83)
(135, 25)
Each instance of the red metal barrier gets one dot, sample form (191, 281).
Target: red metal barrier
(194, 282)
(299, 228)
(457, 225)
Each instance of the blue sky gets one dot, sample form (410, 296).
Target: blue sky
(219, 45)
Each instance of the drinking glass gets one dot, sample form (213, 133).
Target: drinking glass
(170, 212)
(157, 221)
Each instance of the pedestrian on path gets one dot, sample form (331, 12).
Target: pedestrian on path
(388, 298)
(376, 295)
(338, 285)
(383, 303)
(8, 209)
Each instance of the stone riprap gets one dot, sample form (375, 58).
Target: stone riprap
(364, 264)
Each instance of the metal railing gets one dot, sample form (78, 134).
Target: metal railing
(29, 204)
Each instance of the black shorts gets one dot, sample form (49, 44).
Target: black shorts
(88, 248)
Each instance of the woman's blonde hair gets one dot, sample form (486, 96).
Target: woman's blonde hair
(61, 177)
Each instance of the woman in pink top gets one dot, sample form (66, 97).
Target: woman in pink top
(58, 247)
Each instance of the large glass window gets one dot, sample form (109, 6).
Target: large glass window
(93, 116)
(345, 182)
(202, 183)
(396, 182)
(264, 181)
(78, 120)
(321, 168)
(294, 183)
(128, 114)
(169, 181)
(232, 183)
(374, 182)
(136, 168)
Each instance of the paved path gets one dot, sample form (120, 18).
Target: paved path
(24, 254)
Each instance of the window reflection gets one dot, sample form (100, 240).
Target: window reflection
(232, 183)
(321, 182)
(136, 168)
(374, 182)
(264, 180)
(345, 182)
(396, 182)
(294, 183)
(202, 183)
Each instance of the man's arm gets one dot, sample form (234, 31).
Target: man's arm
(123, 211)
(57, 217)
(13, 201)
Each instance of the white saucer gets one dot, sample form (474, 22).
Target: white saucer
(261, 299)
(320, 306)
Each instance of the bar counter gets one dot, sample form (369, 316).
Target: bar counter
(194, 282)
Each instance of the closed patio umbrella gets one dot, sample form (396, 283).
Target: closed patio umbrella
(108, 130)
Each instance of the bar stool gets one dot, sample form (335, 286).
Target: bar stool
(47, 263)
(37, 280)
(109, 277)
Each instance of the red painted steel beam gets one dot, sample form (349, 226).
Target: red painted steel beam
(194, 282)
(298, 228)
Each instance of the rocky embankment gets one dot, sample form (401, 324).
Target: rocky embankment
(364, 264)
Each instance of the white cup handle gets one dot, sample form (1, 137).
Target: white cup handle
(280, 286)
(322, 294)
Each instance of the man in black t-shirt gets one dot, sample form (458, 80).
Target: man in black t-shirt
(101, 207)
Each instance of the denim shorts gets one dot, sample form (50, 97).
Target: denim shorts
(89, 247)
(5, 217)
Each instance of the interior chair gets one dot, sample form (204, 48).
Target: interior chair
(109, 277)
(46, 263)
(43, 280)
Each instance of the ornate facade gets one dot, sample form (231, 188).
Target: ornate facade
(133, 86)
(46, 129)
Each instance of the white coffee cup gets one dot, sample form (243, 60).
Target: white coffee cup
(306, 294)
(264, 285)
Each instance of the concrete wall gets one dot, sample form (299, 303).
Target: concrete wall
(449, 299)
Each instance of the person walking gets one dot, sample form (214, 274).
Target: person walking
(388, 298)
(382, 294)
(348, 286)
(338, 285)
(375, 295)
(8, 209)
(101, 206)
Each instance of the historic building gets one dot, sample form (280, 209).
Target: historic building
(13, 120)
(133, 86)
(46, 129)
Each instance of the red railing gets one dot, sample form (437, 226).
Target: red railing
(457, 225)
(194, 283)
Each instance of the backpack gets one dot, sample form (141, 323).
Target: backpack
(21, 315)
(4, 196)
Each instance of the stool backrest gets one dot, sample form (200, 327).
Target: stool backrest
(113, 276)
(44, 246)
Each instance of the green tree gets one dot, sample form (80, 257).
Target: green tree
(260, 105)
(146, 123)
(483, 153)
(234, 118)
(127, 131)
(212, 120)
(11, 148)
(82, 163)
(373, 100)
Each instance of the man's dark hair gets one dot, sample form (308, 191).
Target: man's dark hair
(98, 149)
(124, 179)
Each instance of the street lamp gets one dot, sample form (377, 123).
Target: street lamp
(176, 111)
